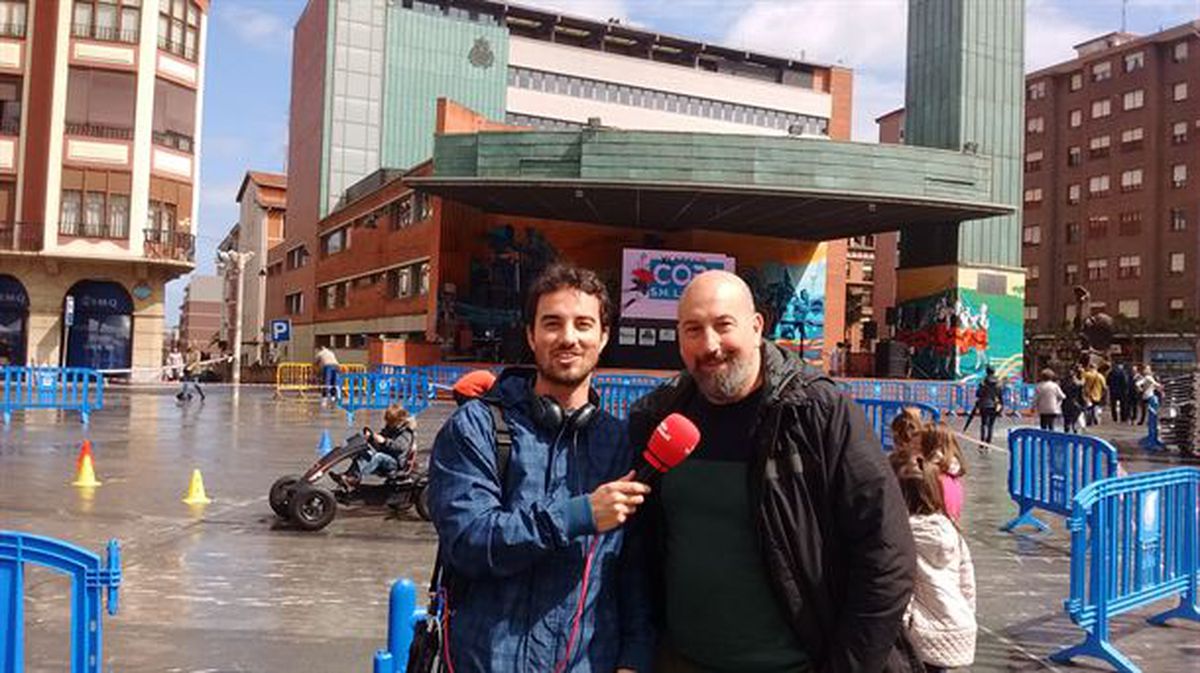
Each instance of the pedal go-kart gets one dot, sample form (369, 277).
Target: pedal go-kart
(310, 505)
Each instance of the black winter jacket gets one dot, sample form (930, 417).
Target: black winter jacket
(830, 518)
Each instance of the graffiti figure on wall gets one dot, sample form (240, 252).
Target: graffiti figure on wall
(792, 302)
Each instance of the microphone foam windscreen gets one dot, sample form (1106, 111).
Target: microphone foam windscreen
(672, 441)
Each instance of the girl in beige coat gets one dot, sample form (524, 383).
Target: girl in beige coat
(940, 619)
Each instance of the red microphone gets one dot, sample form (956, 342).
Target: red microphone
(671, 442)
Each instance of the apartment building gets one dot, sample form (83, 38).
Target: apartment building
(100, 115)
(367, 76)
(1112, 198)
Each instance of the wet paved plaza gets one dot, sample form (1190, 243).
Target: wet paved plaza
(227, 587)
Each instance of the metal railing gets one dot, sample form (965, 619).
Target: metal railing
(10, 126)
(175, 141)
(12, 29)
(112, 230)
(104, 33)
(176, 47)
(20, 236)
(99, 131)
(167, 244)
(67, 388)
(1047, 469)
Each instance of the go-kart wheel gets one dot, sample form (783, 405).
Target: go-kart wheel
(281, 494)
(312, 507)
(423, 503)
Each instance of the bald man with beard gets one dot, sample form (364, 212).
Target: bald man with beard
(782, 543)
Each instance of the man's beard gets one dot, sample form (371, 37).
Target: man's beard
(566, 377)
(725, 385)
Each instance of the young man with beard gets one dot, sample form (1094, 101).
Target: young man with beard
(541, 578)
(782, 542)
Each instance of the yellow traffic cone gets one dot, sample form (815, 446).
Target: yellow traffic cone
(85, 471)
(196, 494)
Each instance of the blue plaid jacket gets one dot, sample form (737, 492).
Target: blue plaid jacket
(522, 548)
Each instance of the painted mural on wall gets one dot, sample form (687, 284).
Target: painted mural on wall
(957, 333)
(792, 300)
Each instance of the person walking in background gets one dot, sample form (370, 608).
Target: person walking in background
(1048, 398)
(1133, 394)
(1094, 387)
(1118, 387)
(191, 377)
(940, 620)
(1148, 388)
(1073, 403)
(174, 364)
(327, 367)
(989, 403)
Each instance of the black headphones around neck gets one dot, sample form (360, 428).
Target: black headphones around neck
(547, 413)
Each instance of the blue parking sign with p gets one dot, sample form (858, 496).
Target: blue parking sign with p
(281, 330)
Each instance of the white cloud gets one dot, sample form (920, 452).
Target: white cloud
(257, 27)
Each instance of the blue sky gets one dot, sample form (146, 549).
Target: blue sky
(249, 62)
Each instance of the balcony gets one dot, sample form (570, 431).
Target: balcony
(176, 47)
(99, 131)
(116, 230)
(104, 33)
(20, 236)
(175, 141)
(177, 246)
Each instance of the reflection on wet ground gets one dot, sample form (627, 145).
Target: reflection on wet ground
(227, 587)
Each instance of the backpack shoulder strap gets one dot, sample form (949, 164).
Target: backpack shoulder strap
(504, 440)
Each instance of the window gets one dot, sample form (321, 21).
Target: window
(100, 103)
(1099, 145)
(1131, 180)
(1073, 231)
(179, 27)
(10, 103)
(1033, 160)
(1031, 235)
(1035, 125)
(1101, 108)
(1132, 138)
(1177, 263)
(1178, 219)
(108, 20)
(1037, 90)
(1130, 308)
(422, 207)
(1180, 53)
(1129, 266)
(1130, 222)
(334, 296)
(1076, 81)
(1179, 133)
(335, 242)
(174, 115)
(1097, 226)
(1179, 175)
(1071, 274)
(94, 204)
(1098, 185)
(1097, 269)
(1135, 61)
(160, 217)
(1073, 194)
(1179, 91)
(1175, 308)
(1033, 196)
(1101, 71)
(294, 303)
(1134, 100)
(297, 257)
(400, 283)
(1031, 313)
(1076, 118)
(12, 18)
(1074, 156)
(424, 271)
(1032, 274)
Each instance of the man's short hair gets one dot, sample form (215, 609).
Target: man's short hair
(566, 276)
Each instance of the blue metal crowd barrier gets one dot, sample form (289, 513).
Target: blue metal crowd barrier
(1134, 540)
(945, 396)
(1047, 469)
(379, 391)
(628, 379)
(617, 397)
(68, 388)
(88, 577)
(881, 412)
(403, 615)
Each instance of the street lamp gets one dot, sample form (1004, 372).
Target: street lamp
(232, 259)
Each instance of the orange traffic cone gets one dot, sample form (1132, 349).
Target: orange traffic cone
(196, 494)
(85, 471)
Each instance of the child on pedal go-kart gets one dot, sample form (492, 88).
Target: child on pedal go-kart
(392, 453)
